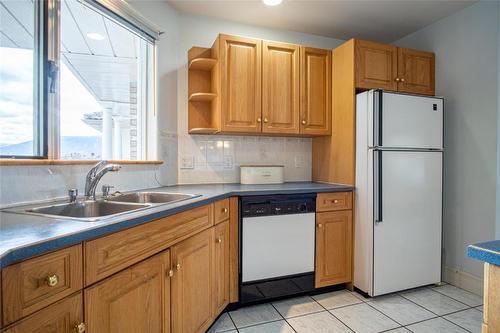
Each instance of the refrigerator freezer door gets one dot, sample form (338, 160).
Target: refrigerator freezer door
(411, 121)
(407, 241)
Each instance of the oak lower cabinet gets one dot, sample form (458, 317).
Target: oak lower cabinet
(192, 283)
(136, 299)
(333, 248)
(221, 267)
(65, 316)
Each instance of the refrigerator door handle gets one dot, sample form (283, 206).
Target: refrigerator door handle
(378, 186)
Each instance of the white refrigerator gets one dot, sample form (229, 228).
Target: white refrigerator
(398, 218)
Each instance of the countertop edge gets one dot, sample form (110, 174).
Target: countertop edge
(485, 252)
(15, 255)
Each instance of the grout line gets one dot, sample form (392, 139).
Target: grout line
(455, 298)
(456, 324)
(293, 329)
(334, 316)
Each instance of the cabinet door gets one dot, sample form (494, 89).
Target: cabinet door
(62, 317)
(315, 91)
(280, 88)
(333, 248)
(375, 65)
(416, 71)
(134, 300)
(221, 267)
(192, 288)
(241, 84)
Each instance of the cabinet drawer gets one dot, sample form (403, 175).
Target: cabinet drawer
(35, 283)
(333, 201)
(62, 317)
(221, 211)
(110, 254)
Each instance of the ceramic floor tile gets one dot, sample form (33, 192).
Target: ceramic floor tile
(436, 325)
(223, 324)
(253, 315)
(460, 295)
(401, 310)
(280, 326)
(364, 319)
(471, 319)
(399, 330)
(480, 308)
(337, 299)
(297, 306)
(434, 301)
(322, 322)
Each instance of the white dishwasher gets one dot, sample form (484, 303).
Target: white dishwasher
(277, 246)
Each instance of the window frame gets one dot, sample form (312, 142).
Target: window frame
(46, 82)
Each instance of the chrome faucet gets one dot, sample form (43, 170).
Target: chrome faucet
(94, 176)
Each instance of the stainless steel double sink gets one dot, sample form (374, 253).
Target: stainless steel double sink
(95, 210)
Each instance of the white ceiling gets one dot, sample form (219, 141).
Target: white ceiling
(384, 21)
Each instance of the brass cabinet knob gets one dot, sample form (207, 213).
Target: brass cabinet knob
(397, 79)
(335, 201)
(402, 80)
(219, 240)
(259, 120)
(80, 328)
(225, 210)
(320, 225)
(171, 273)
(265, 120)
(178, 266)
(52, 280)
(304, 122)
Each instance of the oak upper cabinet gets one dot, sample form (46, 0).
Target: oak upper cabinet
(192, 284)
(65, 316)
(280, 88)
(333, 247)
(315, 91)
(221, 267)
(241, 83)
(416, 71)
(136, 299)
(376, 65)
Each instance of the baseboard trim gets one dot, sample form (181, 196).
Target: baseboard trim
(463, 280)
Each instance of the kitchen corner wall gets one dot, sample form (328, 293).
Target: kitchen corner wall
(467, 62)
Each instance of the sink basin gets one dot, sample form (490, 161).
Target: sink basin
(151, 197)
(87, 210)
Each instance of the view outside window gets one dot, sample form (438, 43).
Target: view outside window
(104, 84)
(18, 124)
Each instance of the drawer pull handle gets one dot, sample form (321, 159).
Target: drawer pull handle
(178, 266)
(81, 328)
(219, 240)
(225, 210)
(52, 280)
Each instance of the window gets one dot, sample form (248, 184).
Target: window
(103, 90)
(21, 48)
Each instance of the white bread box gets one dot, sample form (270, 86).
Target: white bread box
(262, 174)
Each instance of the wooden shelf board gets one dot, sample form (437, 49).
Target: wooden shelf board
(202, 64)
(201, 130)
(202, 97)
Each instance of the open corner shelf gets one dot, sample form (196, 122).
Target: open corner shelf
(202, 97)
(202, 64)
(202, 130)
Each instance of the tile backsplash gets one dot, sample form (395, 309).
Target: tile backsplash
(216, 159)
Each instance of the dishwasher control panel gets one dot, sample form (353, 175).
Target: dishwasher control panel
(278, 205)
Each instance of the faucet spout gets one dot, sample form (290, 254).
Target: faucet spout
(94, 176)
